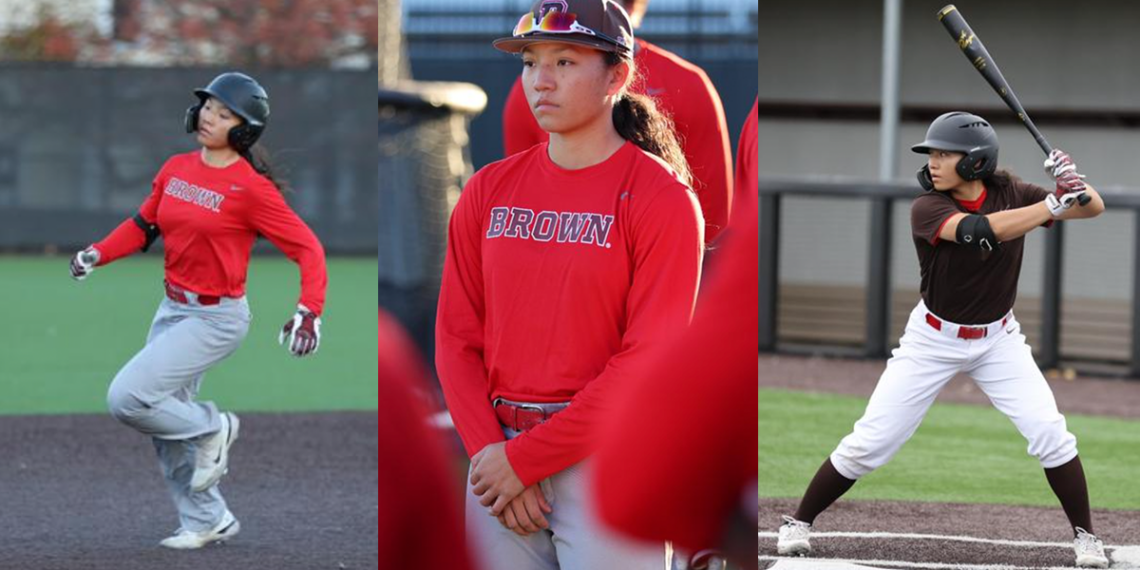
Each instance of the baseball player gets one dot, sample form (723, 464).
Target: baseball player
(209, 206)
(968, 229)
(566, 264)
(653, 478)
(683, 91)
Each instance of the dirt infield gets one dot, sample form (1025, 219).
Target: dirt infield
(84, 492)
(1093, 396)
(1000, 522)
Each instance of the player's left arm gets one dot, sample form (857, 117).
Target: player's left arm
(275, 220)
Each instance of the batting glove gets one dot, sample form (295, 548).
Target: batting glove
(1057, 206)
(84, 263)
(1058, 163)
(302, 332)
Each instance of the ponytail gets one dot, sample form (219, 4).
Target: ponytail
(262, 162)
(639, 121)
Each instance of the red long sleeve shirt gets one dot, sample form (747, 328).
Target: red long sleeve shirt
(653, 478)
(748, 164)
(556, 283)
(209, 218)
(684, 92)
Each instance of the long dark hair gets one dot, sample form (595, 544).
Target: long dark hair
(1000, 180)
(639, 121)
(262, 161)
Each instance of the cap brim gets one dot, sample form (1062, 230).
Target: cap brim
(516, 45)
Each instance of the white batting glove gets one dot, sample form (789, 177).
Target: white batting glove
(1058, 205)
(1058, 163)
(303, 332)
(83, 264)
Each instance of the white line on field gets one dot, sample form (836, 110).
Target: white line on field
(901, 564)
(953, 538)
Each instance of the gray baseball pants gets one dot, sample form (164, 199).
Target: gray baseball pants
(154, 394)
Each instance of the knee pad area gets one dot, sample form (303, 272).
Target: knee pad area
(1052, 444)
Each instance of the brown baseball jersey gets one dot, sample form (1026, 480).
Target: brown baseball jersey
(962, 283)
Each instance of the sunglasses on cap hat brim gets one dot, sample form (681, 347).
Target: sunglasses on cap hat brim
(559, 27)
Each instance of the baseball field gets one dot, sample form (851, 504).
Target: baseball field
(962, 493)
(83, 491)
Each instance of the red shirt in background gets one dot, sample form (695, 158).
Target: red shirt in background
(747, 163)
(556, 283)
(677, 461)
(420, 518)
(684, 92)
(209, 218)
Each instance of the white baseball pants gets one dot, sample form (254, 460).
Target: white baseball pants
(1002, 366)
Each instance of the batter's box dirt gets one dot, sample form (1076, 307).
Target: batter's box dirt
(940, 535)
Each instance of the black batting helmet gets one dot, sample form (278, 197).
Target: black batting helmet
(961, 132)
(245, 97)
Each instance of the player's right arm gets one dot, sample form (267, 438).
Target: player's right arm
(136, 233)
(460, 342)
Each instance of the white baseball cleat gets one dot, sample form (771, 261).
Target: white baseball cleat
(213, 457)
(187, 540)
(1089, 550)
(794, 538)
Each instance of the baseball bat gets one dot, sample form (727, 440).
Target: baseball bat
(972, 48)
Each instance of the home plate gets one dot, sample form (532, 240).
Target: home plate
(1126, 557)
(816, 564)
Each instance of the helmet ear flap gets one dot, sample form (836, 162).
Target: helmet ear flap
(191, 119)
(924, 178)
(976, 165)
(243, 136)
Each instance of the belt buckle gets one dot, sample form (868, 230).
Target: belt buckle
(529, 408)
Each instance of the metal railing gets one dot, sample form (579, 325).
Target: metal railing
(882, 197)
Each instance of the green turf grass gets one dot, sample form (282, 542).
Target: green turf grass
(963, 454)
(61, 342)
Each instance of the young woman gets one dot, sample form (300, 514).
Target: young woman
(968, 230)
(682, 90)
(209, 206)
(566, 264)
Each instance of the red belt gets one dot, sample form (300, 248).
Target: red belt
(966, 333)
(178, 295)
(521, 417)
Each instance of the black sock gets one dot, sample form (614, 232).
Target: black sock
(1068, 483)
(827, 486)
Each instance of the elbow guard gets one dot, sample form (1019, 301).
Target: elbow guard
(975, 230)
(150, 230)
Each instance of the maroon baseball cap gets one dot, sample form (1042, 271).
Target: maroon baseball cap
(601, 24)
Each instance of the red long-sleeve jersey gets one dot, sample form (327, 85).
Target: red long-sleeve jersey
(748, 163)
(694, 405)
(556, 283)
(683, 91)
(209, 219)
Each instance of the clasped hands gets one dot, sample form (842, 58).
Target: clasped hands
(519, 508)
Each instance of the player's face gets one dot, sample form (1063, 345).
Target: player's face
(568, 86)
(214, 123)
(942, 169)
